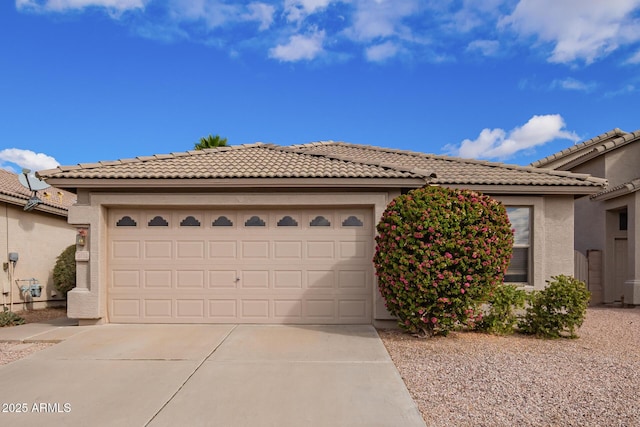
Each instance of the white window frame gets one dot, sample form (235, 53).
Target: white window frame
(528, 245)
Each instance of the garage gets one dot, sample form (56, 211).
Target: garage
(223, 265)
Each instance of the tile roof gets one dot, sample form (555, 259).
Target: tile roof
(618, 190)
(321, 160)
(239, 161)
(451, 170)
(586, 150)
(53, 197)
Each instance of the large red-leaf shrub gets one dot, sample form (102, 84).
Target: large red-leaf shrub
(439, 254)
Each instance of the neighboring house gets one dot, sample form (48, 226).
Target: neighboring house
(37, 237)
(609, 221)
(261, 233)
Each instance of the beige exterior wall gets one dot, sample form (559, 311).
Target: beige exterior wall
(38, 238)
(596, 222)
(552, 242)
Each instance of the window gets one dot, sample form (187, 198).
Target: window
(518, 271)
(623, 220)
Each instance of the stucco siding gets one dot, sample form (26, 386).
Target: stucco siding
(622, 164)
(38, 238)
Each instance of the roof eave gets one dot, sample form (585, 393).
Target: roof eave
(69, 183)
(18, 201)
(529, 189)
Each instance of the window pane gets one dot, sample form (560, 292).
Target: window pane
(519, 218)
(519, 268)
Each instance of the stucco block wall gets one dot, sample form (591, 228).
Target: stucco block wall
(590, 220)
(38, 238)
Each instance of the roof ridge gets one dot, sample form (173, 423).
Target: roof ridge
(141, 159)
(584, 177)
(614, 133)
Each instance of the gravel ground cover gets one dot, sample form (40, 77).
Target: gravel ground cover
(472, 379)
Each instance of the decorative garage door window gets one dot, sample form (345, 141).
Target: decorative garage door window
(287, 221)
(352, 221)
(222, 221)
(158, 221)
(320, 221)
(190, 221)
(126, 221)
(255, 221)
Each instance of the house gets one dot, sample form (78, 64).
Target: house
(261, 233)
(608, 222)
(36, 237)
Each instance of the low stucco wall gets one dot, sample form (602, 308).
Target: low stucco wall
(38, 238)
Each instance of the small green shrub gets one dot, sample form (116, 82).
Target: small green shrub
(503, 302)
(64, 272)
(9, 318)
(558, 310)
(439, 253)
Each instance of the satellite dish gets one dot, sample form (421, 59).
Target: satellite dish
(30, 181)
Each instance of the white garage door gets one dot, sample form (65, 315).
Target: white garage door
(254, 266)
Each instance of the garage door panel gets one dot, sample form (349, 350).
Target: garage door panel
(158, 308)
(254, 279)
(321, 249)
(287, 250)
(190, 279)
(323, 309)
(288, 309)
(352, 308)
(125, 308)
(354, 279)
(255, 266)
(190, 250)
(255, 308)
(255, 249)
(287, 279)
(223, 249)
(158, 249)
(158, 279)
(223, 279)
(192, 308)
(125, 249)
(322, 279)
(223, 309)
(125, 279)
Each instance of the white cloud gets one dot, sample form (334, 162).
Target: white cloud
(381, 18)
(299, 47)
(27, 159)
(498, 144)
(64, 5)
(485, 47)
(573, 84)
(382, 52)
(635, 59)
(578, 29)
(297, 10)
(261, 12)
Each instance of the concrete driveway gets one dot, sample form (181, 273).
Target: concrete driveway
(208, 375)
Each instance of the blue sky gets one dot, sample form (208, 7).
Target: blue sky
(505, 80)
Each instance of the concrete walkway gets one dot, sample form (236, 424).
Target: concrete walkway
(205, 375)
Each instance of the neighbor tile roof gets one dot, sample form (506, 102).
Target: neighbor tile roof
(619, 190)
(54, 197)
(587, 149)
(240, 161)
(450, 170)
